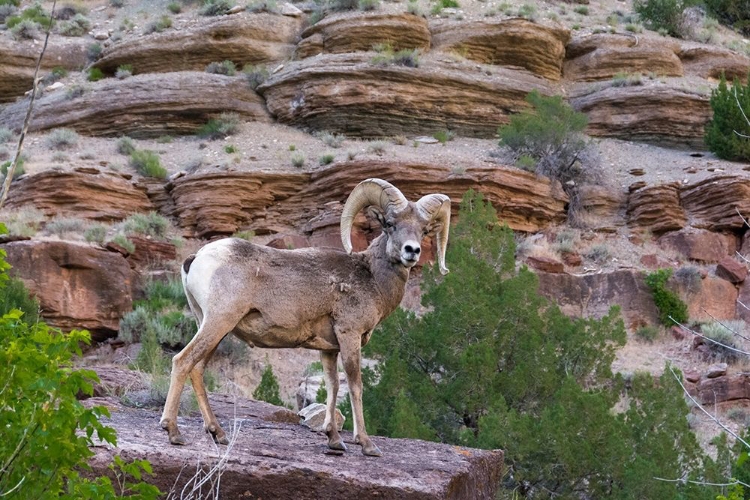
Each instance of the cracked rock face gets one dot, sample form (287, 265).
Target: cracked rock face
(273, 458)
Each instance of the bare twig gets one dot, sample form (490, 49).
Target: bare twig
(27, 120)
(708, 338)
(700, 407)
(704, 483)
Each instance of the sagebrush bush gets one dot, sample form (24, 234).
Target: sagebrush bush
(5, 134)
(15, 296)
(124, 71)
(94, 51)
(255, 75)
(667, 301)
(133, 324)
(147, 163)
(62, 138)
(226, 68)
(18, 172)
(664, 15)
(123, 241)
(216, 7)
(26, 30)
(125, 146)
(96, 234)
(61, 226)
(725, 334)
(326, 159)
(158, 25)
(298, 160)
(162, 294)
(330, 139)
(727, 134)
(6, 11)
(95, 74)
(174, 7)
(150, 224)
(226, 124)
(24, 221)
(551, 133)
(263, 6)
(78, 25)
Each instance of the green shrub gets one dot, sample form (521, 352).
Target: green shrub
(367, 5)
(230, 149)
(174, 7)
(405, 57)
(124, 71)
(226, 124)
(329, 139)
(95, 74)
(147, 163)
(626, 80)
(158, 26)
(24, 221)
(733, 13)
(133, 324)
(255, 75)
(62, 138)
(666, 15)
(35, 14)
(5, 134)
(321, 394)
(268, 388)
(174, 329)
(26, 30)
(96, 234)
(444, 136)
(79, 25)
(124, 242)
(244, 235)
(164, 139)
(18, 172)
(226, 68)
(727, 132)
(551, 133)
(326, 159)
(527, 11)
(598, 254)
(647, 333)
(150, 224)
(724, 333)
(15, 296)
(61, 226)
(298, 160)
(263, 6)
(6, 11)
(94, 51)
(377, 147)
(125, 146)
(216, 7)
(667, 301)
(581, 9)
(164, 294)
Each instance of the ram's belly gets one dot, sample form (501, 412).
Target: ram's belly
(314, 334)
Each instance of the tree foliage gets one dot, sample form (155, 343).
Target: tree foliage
(670, 306)
(268, 388)
(495, 365)
(733, 13)
(47, 432)
(728, 132)
(663, 15)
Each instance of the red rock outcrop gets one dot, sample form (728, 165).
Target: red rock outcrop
(350, 32)
(593, 295)
(185, 101)
(349, 94)
(699, 244)
(713, 202)
(510, 42)
(273, 458)
(721, 389)
(602, 205)
(731, 270)
(656, 208)
(86, 193)
(710, 61)
(715, 299)
(602, 56)
(77, 285)
(241, 38)
(656, 113)
(19, 60)
(285, 202)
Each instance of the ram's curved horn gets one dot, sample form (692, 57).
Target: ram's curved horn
(369, 192)
(437, 207)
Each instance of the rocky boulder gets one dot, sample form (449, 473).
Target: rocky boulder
(350, 32)
(19, 60)
(275, 202)
(710, 61)
(713, 203)
(272, 458)
(241, 38)
(510, 42)
(350, 94)
(314, 416)
(602, 56)
(729, 269)
(593, 295)
(721, 389)
(656, 208)
(185, 101)
(77, 285)
(86, 193)
(652, 113)
(715, 299)
(700, 244)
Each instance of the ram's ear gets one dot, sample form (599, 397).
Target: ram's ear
(433, 227)
(376, 213)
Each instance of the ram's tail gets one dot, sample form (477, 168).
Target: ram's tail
(187, 263)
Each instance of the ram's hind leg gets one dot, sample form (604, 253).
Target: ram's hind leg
(329, 361)
(210, 422)
(213, 328)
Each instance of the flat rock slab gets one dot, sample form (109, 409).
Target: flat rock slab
(272, 459)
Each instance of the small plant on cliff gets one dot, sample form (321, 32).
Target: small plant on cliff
(724, 334)
(24, 221)
(728, 132)
(125, 146)
(124, 71)
(217, 128)
(94, 51)
(733, 13)
(78, 25)
(326, 159)
(18, 172)
(298, 160)
(174, 7)
(96, 234)
(60, 226)
(158, 26)
(255, 75)
(147, 163)
(268, 388)
(150, 224)
(122, 241)
(216, 7)
(647, 333)
(330, 139)
(95, 74)
(62, 138)
(551, 133)
(668, 302)
(666, 15)
(26, 30)
(226, 68)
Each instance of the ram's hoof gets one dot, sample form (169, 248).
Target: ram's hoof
(371, 450)
(178, 440)
(337, 445)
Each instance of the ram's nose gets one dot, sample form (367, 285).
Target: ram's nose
(410, 253)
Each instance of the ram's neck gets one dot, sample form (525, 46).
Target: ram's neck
(390, 277)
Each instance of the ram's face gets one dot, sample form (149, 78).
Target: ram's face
(405, 231)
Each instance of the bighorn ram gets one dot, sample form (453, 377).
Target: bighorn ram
(313, 298)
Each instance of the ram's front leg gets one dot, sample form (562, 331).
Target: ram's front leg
(351, 359)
